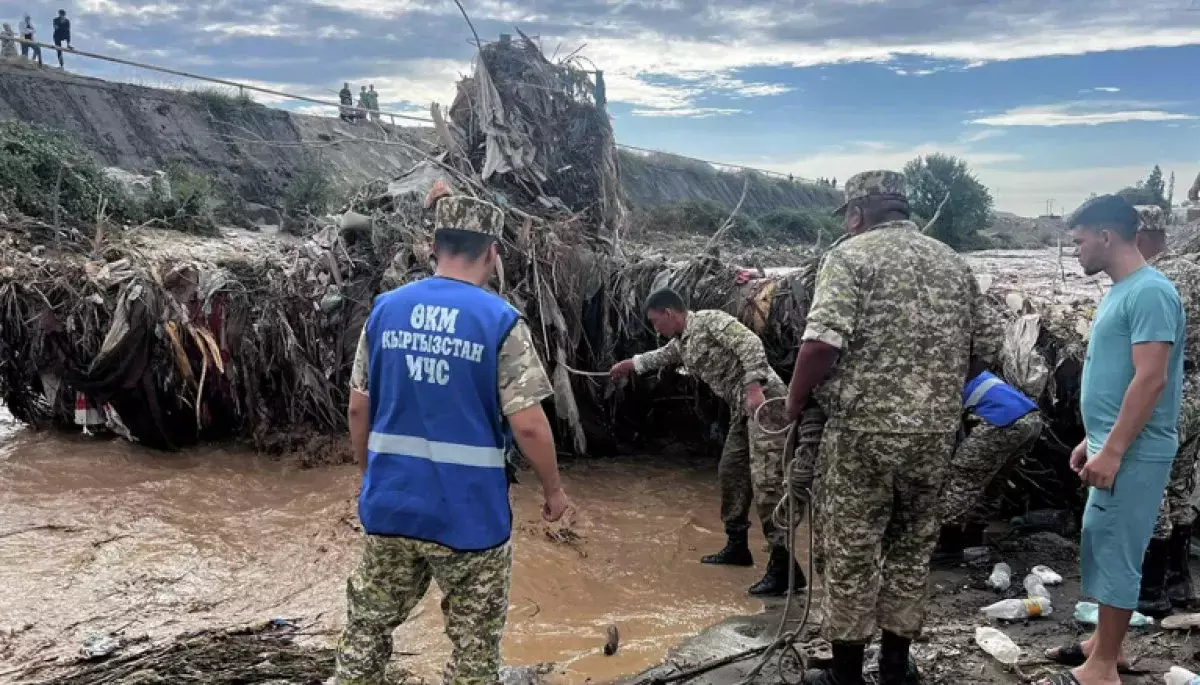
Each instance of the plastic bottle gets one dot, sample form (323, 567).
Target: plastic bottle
(1001, 577)
(998, 645)
(1181, 676)
(1016, 609)
(1034, 587)
(1048, 575)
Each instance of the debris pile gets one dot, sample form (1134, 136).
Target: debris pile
(171, 338)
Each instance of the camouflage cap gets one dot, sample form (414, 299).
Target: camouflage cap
(879, 183)
(1151, 218)
(468, 214)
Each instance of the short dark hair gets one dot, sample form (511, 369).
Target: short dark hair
(1107, 212)
(663, 299)
(456, 242)
(877, 209)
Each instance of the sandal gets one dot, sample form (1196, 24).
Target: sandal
(1071, 654)
(1060, 678)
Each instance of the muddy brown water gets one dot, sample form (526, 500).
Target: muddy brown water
(100, 535)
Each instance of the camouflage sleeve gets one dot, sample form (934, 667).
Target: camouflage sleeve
(987, 337)
(834, 310)
(664, 357)
(523, 381)
(358, 374)
(742, 343)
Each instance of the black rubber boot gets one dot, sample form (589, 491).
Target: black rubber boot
(1179, 572)
(846, 670)
(735, 553)
(950, 546)
(774, 582)
(1152, 600)
(895, 667)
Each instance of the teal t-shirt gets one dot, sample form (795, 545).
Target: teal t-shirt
(1142, 308)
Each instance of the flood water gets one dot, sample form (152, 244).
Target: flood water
(101, 536)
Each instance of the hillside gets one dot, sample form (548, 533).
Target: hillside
(256, 149)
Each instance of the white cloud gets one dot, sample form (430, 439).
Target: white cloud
(686, 112)
(1026, 191)
(1101, 89)
(129, 10)
(1077, 114)
(980, 136)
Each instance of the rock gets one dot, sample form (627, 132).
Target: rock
(138, 187)
(261, 215)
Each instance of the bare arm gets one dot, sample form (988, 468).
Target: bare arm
(531, 430)
(1150, 363)
(359, 413)
(360, 427)
(831, 324)
(813, 364)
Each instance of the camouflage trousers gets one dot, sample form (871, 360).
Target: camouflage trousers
(1176, 508)
(751, 472)
(879, 496)
(986, 452)
(391, 579)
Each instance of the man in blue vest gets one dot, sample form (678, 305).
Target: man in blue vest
(445, 373)
(1004, 424)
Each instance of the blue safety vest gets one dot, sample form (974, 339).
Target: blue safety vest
(991, 399)
(435, 455)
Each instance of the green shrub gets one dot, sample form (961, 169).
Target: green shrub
(182, 199)
(311, 192)
(222, 104)
(697, 217)
(800, 225)
(34, 160)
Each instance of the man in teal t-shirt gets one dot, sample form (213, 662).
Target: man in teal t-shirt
(1132, 385)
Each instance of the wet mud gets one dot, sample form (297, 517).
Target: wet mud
(100, 537)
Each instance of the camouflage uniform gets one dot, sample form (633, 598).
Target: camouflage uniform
(985, 453)
(902, 308)
(1176, 509)
(394, 572)
(716, 348)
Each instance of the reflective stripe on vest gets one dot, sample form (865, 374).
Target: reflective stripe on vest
(439, 452)
(981, 390)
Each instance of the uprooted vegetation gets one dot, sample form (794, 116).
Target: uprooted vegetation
(190, 339)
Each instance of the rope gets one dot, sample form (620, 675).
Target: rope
(784, 645)
(585, 374)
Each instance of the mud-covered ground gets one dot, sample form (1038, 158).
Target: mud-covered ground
(947, 652)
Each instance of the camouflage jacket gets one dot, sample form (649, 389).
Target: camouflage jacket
(719, 350)
(907, 314)
(522, 381)
(1185, 275)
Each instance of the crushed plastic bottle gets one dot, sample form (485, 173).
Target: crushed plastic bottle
(1036, 587)
(1047, 574)
(1089, 613)
(1017, 609)
(1001, 577)
(1181, 676)
(998, 645)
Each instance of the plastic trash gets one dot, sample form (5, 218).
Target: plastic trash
(98, 646)
(1181, 676)
(1017, 609)
(998, 645)
(977, 555)
(1035, 587)
(1047, 574)
(1089, 613)
(1001, 577)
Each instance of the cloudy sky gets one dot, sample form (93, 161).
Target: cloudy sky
(1048, 101)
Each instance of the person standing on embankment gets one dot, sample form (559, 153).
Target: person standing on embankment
(445, 374)
(62, 35)
(895, 319)
(1003, 426)
(1129, 398)
(28, 32)
(1166, 578)
(716, 348)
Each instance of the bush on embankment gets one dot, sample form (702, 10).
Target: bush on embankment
(48, 175)
(705, 217)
